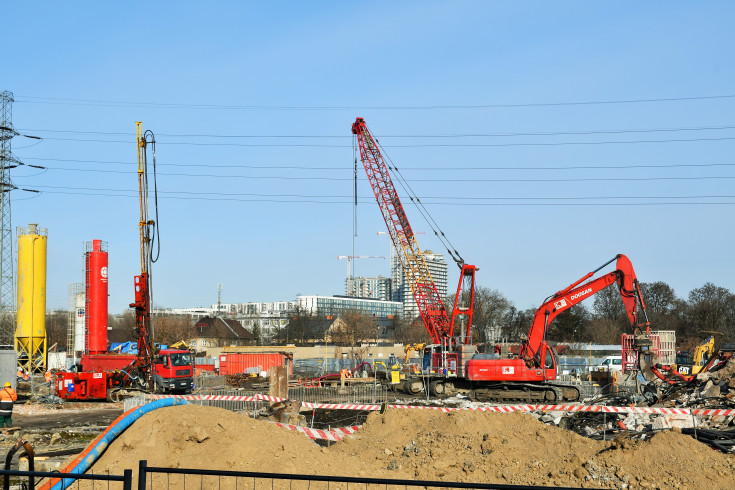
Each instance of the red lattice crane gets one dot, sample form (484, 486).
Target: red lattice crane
(432, 310)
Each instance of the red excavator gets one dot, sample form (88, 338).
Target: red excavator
(530, 375)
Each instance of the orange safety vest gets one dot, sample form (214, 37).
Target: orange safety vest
(8, 394)
(48, 376)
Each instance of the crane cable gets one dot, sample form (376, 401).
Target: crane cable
(451, 250)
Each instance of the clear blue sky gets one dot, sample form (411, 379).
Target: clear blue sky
(545, 191)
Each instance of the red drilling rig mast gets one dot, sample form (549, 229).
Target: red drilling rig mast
(147, 231)
(433, 313)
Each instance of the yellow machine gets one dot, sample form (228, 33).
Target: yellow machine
(411, 348)
(693, 364)
(30, 329)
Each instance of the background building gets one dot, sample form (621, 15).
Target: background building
(402, 290)
(369, 287)
(333, 306)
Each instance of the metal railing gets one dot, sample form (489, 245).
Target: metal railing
(126, 479)
(154, 477)
(350, 394)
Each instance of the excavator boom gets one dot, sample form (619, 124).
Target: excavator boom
(580, 290)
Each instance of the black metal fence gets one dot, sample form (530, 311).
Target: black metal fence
(28, 479)
(150, 477)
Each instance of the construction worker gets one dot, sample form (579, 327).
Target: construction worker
(7, 397)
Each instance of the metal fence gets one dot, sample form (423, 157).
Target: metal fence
(166, 478)
(350, 394)
(233, 405)
(28, 479)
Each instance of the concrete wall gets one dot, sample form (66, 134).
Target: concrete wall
(8, 366)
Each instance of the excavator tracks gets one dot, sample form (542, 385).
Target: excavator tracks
(527, 393)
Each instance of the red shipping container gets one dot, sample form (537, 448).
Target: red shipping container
(240, 363)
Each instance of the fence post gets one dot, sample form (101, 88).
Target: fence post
(128, 481)
(142, 464)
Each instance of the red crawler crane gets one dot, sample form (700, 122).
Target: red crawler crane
(448, 351)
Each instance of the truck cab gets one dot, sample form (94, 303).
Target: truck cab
(173, 371)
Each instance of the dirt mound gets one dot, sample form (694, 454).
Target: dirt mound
(420, 444)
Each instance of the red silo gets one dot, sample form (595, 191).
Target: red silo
(95, 261)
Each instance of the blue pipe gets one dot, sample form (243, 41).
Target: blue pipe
(112, 433)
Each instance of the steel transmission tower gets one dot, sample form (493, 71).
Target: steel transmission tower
(7, 291)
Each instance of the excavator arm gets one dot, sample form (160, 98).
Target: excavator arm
(580, 290)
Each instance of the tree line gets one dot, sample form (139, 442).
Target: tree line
(708, 310)
(705, 311)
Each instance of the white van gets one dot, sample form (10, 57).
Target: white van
(610, 364)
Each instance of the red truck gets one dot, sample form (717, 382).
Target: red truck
(173, 372)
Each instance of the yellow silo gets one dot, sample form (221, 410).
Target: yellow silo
(30, 330)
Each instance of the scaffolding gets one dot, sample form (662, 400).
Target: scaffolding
(75, 289)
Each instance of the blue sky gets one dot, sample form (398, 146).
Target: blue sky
(513, 121)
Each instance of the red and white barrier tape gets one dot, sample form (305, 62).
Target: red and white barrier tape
(329, 435)
(500, 409)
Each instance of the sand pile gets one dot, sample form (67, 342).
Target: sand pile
(420, 444)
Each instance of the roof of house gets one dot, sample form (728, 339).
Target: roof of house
(221, 328)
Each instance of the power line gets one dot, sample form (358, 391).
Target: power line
(430, 136)
(337, 196)
(404, 168)
(280, 177)
(346, 198)
(418, 145)
(349, 201)
(162, 105)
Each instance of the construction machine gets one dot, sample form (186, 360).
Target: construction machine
(451, 337)
(531, 374)
(169, 370)
(692, 363)
(450, 363)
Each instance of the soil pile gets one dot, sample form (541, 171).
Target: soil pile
(420, 444)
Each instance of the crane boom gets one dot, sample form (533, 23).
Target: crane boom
(432, 310)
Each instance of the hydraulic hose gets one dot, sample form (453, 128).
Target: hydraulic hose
(88, 457)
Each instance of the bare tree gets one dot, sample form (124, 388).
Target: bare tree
(354, 328)
(410, 331)
(491, 310)
(710, 308)
(171, 329)
(121, 327)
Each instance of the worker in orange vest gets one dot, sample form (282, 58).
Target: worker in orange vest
(7, 397)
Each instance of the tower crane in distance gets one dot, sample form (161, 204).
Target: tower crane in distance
(350, 258)
(451, 337)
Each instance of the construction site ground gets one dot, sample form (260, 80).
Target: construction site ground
(464, 446)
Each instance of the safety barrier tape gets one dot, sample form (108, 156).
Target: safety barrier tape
(500, 409)
(330, 435)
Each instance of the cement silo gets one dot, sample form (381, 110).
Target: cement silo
(30, 330)
(96, 261)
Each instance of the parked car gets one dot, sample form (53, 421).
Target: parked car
(610, 364)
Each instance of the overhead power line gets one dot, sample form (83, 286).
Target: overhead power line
(348, 200)
(303, 178)
(161, 105)
(416, 145)
(403, 168)
(429, 136)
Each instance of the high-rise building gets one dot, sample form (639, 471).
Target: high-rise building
(369, 287)
(402, 290)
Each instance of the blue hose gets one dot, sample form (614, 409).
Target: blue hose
(112, 433)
